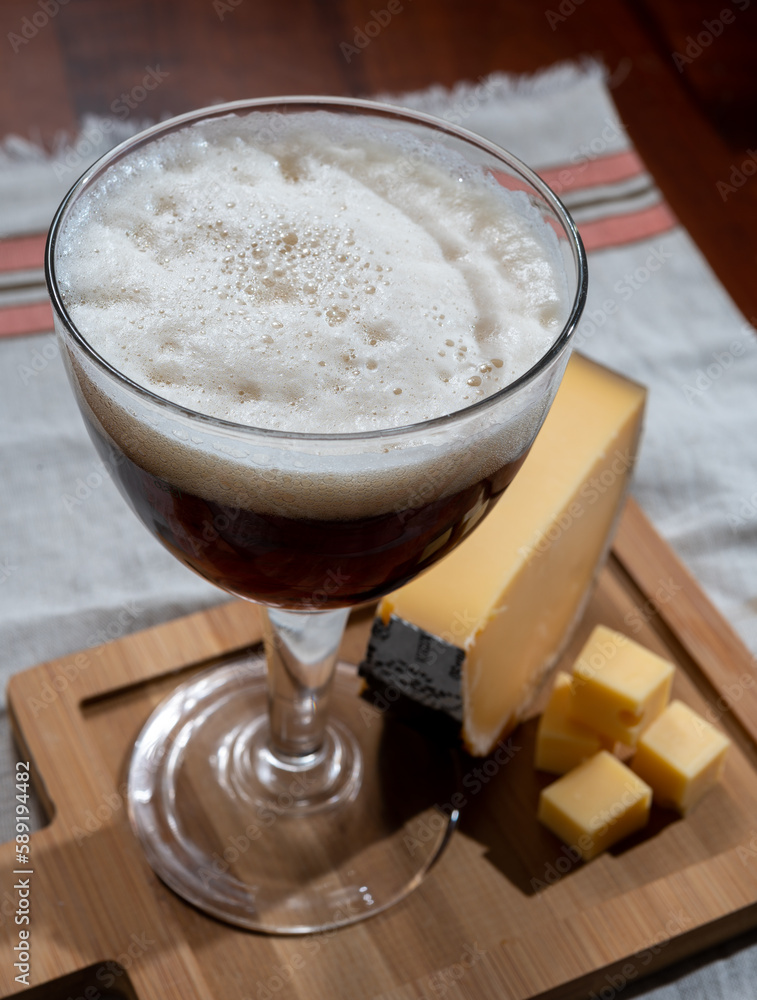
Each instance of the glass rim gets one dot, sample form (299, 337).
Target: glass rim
(326, 102)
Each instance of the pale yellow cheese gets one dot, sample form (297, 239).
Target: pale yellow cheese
(595, 805)
(681, 756)
(510, 593)
(561, 742)
(619, 687)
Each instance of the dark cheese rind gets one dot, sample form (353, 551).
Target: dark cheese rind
(403, 659)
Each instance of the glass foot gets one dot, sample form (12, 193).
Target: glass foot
(288, 846)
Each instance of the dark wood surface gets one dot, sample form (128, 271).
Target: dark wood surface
(692, 115)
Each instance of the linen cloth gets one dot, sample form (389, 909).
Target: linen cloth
(75, 565)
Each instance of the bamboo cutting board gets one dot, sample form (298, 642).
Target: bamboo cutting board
(506, 913)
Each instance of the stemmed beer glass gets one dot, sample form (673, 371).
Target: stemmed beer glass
(264, 790)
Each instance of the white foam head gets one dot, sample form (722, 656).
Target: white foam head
(310, 273)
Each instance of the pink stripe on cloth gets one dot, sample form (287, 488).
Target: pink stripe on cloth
(22, 253)
(618, 230)
(615, 230)
(19, 320)
(593, 173)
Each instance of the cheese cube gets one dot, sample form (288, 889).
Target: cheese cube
(619, 686)
(511, 592)
(681, 756)
(595, 805)
(561, 742)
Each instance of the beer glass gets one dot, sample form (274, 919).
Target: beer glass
(265, 790)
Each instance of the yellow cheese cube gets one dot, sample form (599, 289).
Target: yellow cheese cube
(511, 592)
(681, 756)
(595, 805)
(619, 686)
(561, 742)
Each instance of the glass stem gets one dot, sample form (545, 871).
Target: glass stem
(301, 650)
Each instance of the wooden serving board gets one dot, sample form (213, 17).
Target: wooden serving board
(506, 913)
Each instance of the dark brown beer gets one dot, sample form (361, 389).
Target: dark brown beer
(299, 563)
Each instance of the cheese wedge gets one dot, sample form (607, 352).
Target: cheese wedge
(511, 592)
